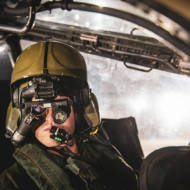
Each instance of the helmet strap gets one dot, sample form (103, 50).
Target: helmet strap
(45, 69)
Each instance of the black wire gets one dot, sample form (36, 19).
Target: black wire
(45, 69)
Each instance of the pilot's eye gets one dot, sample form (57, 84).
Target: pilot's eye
(37, 110)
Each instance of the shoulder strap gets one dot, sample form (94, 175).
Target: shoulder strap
(43, 171)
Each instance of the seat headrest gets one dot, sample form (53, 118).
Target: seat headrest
(166, 169)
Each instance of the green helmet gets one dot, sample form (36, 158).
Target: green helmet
(60, 59)
(52, 59)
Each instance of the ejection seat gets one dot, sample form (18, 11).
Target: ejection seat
(166, 169)
(123, 134)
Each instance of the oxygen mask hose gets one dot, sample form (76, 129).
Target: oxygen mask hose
(28, 123)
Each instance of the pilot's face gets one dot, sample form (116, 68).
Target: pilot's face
(42, 133)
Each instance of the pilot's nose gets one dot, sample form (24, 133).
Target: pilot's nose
(49, 116)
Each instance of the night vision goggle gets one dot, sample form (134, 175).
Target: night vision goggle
(35, 116)
(46, 89)
(61, 109)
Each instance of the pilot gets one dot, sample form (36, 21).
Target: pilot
(53, 121)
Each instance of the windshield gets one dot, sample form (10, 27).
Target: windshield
(95, 21)
(158, 100)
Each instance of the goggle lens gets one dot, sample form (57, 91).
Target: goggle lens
(61, 109)
(60, 117)
(37, 109)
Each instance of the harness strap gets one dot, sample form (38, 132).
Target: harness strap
(43, 171)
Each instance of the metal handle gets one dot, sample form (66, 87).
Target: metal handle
(135, 68)
(25, 28)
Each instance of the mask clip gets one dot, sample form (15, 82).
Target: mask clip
(60, 135)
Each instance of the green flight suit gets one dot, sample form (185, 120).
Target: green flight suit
(98, 167)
